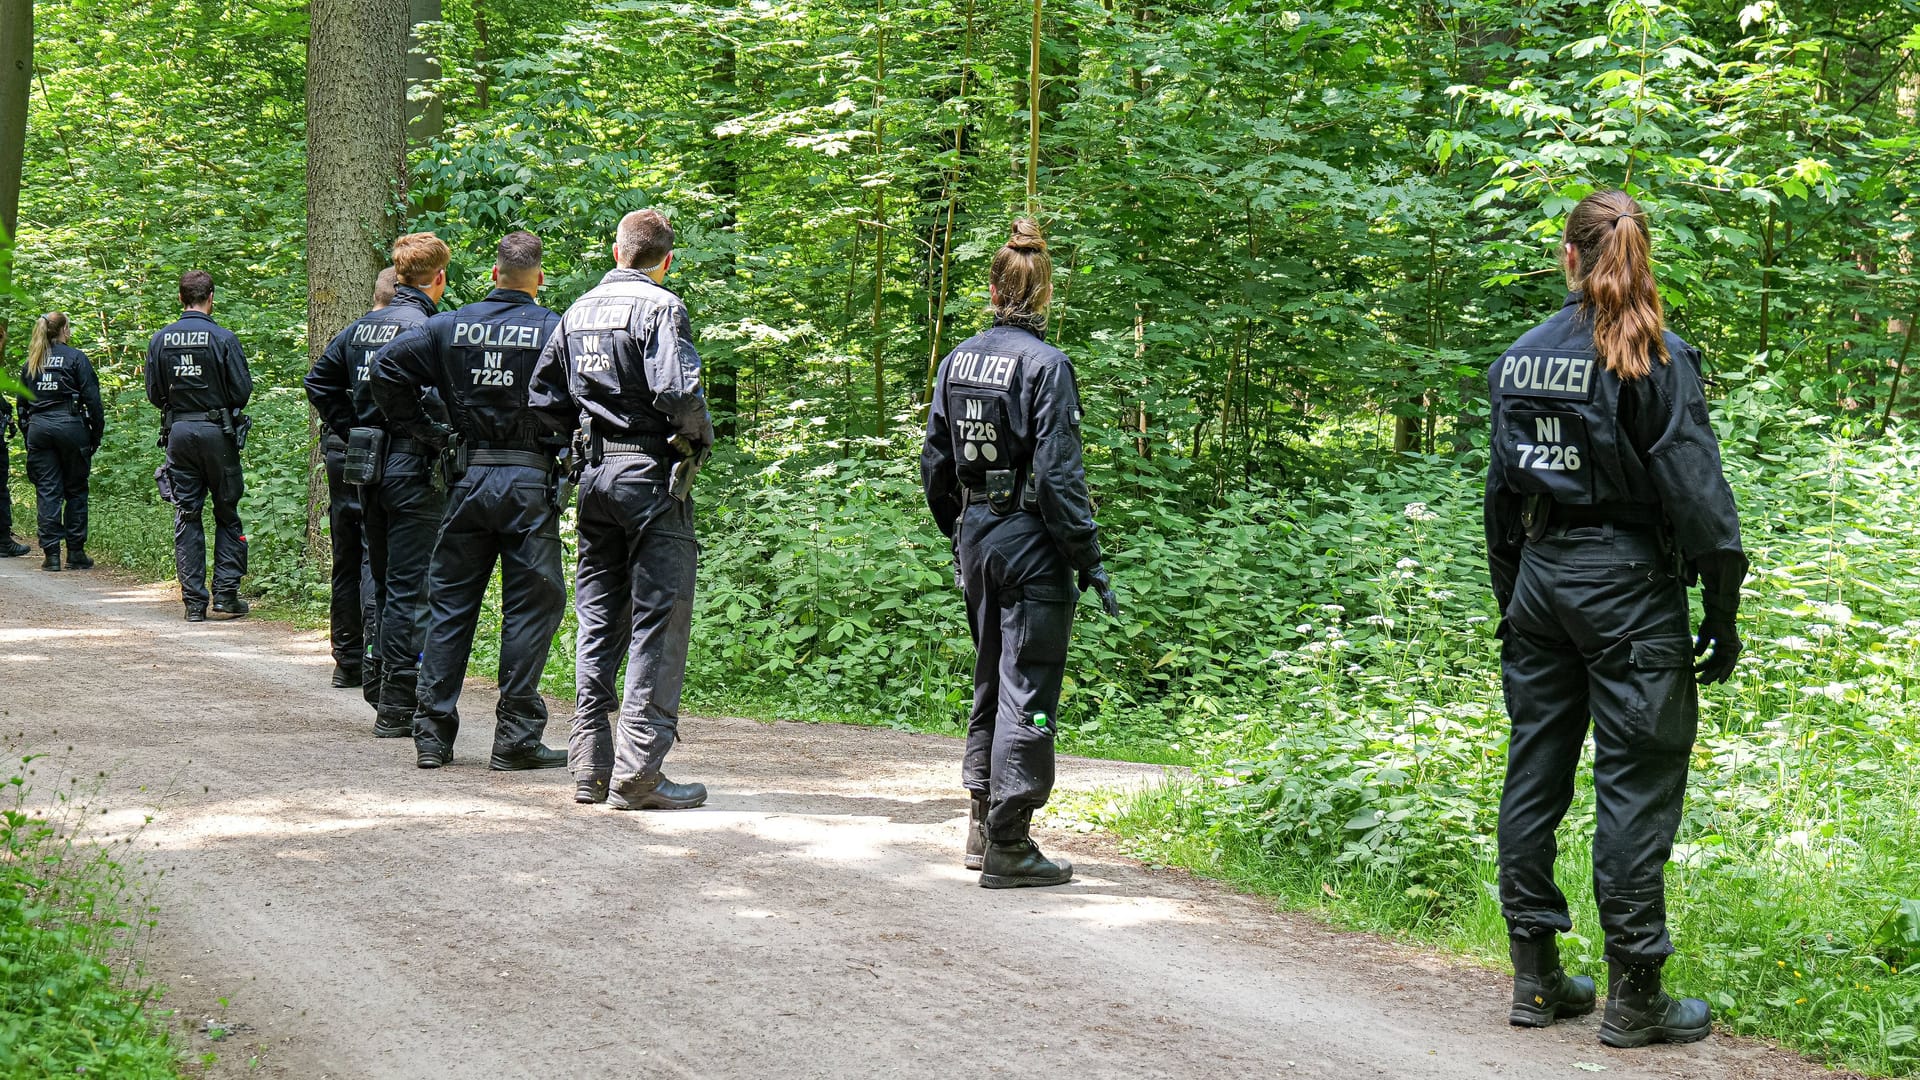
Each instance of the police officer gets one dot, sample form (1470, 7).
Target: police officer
(63, 420)
(10, 548)
(1605, 497)
(1002, 473)
(400, 501)
(354, 612)
(624, 373)
(197, 377)
(504, 504)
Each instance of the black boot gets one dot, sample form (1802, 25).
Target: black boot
(976, 830)
(388, 724)
(52, 561)
(536, 756)
(196, 613)
(229, 603)
(77, 558)
(1639, 1012)
(344, 677)
(1013, 861)
(432, 757)
(1542, 990)
(656, 793)
(13, 549)
(590, 789)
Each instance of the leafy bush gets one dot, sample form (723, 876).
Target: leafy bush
(67, 910)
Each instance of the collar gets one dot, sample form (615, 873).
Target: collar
(508, 296)
(1032, 324)
(1574, 297)
(412, 294)
(621, 275)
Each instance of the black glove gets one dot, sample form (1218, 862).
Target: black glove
(1095, 578)
(1721, 575)
(13, 429)
(1718, 635)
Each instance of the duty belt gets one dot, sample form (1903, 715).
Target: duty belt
(650, 445)
(526, 458)
(1619, 515)
(409, 446)
(211, 416)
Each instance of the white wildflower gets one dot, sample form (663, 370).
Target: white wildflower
(1418, 511)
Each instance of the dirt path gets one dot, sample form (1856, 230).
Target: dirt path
(364, 920)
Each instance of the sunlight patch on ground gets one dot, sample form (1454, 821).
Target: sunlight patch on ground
(34, 633)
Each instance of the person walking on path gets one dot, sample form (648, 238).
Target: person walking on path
(1605, 499)
(197, 377)
(61, 415)
(624, 374)
(1003, 476)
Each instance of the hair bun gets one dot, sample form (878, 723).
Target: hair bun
(1026, 236)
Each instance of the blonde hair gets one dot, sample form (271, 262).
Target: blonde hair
(1616, 285)
(1022, 275)
(417, 257)
(48, 330)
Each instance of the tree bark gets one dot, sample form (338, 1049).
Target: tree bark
(356, 174)
(16, 80)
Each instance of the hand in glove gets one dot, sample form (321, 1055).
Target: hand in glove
(1720, 643)
(1721, 575)
(1095, 578)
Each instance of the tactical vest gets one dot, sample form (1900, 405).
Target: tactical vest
(989, 455)
(58, 383)
(489, 362)
(1555, 431)
(609, 361)
(189, 358)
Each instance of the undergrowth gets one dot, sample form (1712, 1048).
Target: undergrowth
(71, 916)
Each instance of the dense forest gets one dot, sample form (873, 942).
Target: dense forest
(1289, 240)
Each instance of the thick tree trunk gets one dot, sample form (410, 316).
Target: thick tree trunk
(16, 78)
(356, 172)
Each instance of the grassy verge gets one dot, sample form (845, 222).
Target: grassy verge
(70, 915)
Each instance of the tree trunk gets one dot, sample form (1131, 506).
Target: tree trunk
(880, 231)
(424, 119)
(16, 78)
(356, 174)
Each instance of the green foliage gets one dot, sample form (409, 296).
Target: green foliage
(68, 911)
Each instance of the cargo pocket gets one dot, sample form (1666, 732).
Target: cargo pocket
(1045, 625)
(1668, 702)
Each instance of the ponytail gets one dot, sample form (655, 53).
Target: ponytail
(48, 330)
(1022, 277)
(1609, 230)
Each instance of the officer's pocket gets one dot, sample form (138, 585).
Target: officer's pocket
(1046, 624)
(1667, 700)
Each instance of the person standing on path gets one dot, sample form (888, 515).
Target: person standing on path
(504, 504)
(623, 374)
(197, 377)
(61, 415)
(1002, 474)
(10, 547)
(400, 501)
(353, 612)
(1605, 499)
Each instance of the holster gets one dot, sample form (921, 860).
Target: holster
(1003, 490)
(1536, 513)
(366, 456)
(238, 429)
(163, 479)
(453, 460)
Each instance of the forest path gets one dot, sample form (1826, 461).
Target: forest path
(364, 919)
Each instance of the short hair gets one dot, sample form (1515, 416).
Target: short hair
(196, 288)
(645, 238)
(519, 256)
(383, 288)
(417, 257)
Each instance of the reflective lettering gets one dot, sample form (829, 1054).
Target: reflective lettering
(497, 335)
